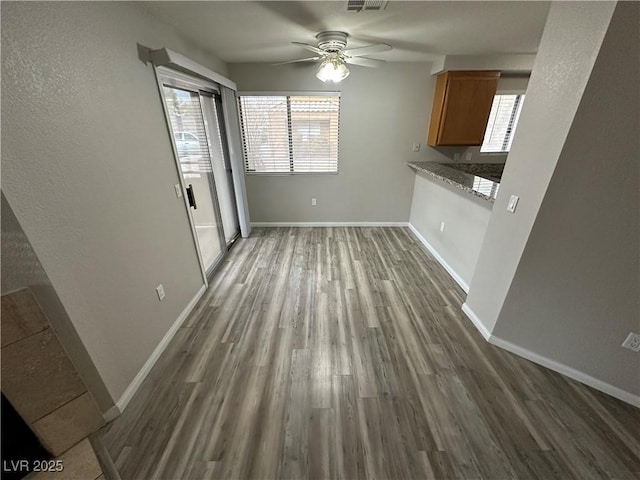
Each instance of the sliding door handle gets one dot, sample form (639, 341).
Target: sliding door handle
(191, 197)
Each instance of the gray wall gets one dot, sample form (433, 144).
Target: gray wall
(383, 112)
(88, 170)
(516, 63)
(465, 216)
(578, 276)
(560, 277)
(510, 83)
(568, 49)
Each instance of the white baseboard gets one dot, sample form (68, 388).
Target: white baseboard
(567, 371)
(440, 260)
(484, 331)
(554, 365)
(329, 224)
(111, 414)
(151, 361)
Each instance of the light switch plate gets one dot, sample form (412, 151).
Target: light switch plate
(178, 189)
(160, 292)
(632, 342)
(513, 203)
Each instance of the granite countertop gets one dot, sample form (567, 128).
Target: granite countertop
(479, 179)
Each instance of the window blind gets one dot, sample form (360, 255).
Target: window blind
(503, 119)
(290, 133)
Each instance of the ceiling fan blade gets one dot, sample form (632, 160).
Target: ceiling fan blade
(310, 59)
(358, 52)
(365, 62)
(309, 47)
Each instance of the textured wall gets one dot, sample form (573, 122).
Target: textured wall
(20, 265)
(568, 49)
(21, 268)
(559, 278)
(575, 294)
(88, 170)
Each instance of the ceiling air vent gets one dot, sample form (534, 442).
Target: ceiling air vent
(366, 5)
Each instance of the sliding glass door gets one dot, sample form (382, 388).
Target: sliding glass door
(197, 131)
(211, 106)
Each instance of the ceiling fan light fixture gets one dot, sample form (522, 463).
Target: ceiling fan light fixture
(332, 69)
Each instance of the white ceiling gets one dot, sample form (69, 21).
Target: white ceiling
(242, 31)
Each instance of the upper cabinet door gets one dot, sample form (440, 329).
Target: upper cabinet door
(461, 107)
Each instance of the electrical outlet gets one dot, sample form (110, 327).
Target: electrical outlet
(416, 147)
(469, 156)
(160, 292)
(632, 342)
(442, 227)
(313, 202)
(456, 157)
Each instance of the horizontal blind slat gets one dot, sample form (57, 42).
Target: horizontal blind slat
(503, 119)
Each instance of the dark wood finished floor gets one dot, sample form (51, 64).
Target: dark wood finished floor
(342, 353)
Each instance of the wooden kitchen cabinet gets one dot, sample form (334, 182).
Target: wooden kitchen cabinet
(461, 107)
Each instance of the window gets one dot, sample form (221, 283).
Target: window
(503, 119)
(290, 133)
(486, 186)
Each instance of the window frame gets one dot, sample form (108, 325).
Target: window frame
(288, 94)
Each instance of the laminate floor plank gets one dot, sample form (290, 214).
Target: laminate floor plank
(342, 352)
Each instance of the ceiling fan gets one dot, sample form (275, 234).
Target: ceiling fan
(333, 56)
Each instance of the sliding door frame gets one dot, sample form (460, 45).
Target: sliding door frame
(175, 79)
(224, 147)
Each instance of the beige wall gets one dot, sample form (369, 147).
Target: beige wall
(559, 278)
(383, 112)
(88, 170)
